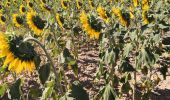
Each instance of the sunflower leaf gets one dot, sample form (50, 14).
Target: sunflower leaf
(44, 73)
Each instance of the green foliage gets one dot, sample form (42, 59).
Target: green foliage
(15, 91)
(44, 73)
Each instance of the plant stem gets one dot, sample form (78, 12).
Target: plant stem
(48, 57)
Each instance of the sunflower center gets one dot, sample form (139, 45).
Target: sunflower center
(3, 18)
(39, 23)
(30, 4)
(22, 50)
(95, 24)
(0, 7)
(23, 9)
(65, 3)
(19, 20)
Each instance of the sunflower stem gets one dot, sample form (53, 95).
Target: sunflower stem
(49, 58)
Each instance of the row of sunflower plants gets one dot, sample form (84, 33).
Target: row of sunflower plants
(42, 37)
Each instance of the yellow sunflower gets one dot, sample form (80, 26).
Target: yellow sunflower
(79, 4)
(64, 4)
(145, 5)
(60, 20)
(35, 23)
(135, 3)
(131, 12)
(45, 7)
(91, 4)
(145, 17)
(12, 49)
(17, 20)
(22, 9)
(2, 19)
(30, 5)
(102, 13)
(87, 27)
(122, 18)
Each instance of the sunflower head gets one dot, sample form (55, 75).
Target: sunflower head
(60, 20)
(22, 9)
(91, 4)
(2, 19)
(17, 20)
(79, 4)
(95, 24)
(19, 55)
(102, 13)
(64, 4)
(90, 25)
(30, 5)
(35, 23)
(45, 7)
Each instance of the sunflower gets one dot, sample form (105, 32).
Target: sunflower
(135, 3)
(19, 56)
(45, 7)
(22, 9)
(122, 16)
(91, 4)
(103, 14)
(79, 4)
(131, 12)
(2, 19)
(17, 20)
(60, 20)
(64, 4)
(145, 5)
(88, 27)
(35, 23)
(145, 17)
(30, 5)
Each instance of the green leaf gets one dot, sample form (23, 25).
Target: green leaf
(15, 90)
(76, 93)
(164, 70)
(128, 47)
(3, 88)
(126, 67)
(109, 93)
(126, 87)
(47, 93)
(44, 73)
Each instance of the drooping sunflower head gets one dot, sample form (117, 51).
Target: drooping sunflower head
(35, 23)
(147, 18)
(2, 19)
(79, 4)
(45, 7)
(64, 4)
(30, 5)
(1, 8)
(90, 25)
(17, 20)
(124, 18)
(19, 55)
(91, 4)
(102, 13)
(60, 20)
(145, 5)
(135, 3)
(22, 9)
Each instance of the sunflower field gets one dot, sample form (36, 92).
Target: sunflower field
(49, 47)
